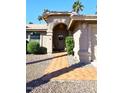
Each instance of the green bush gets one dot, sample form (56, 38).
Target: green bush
(69, 42)
(43, 50)
(33, 47)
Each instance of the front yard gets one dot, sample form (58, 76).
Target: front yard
(36, 66)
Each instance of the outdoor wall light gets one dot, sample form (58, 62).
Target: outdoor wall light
(60, 37)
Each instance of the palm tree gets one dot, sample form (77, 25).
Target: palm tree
(30, 22)
(46, 10)
(77, 6)
(40, 18)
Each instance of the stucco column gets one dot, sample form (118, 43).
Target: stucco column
(81, 39)
(89, 40)
(49, 44)
(76, 37)
(83, 52)
(93, 42)
(49, 39)
(29, 37)
(41, 40)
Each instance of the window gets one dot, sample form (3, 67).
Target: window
(35, 35)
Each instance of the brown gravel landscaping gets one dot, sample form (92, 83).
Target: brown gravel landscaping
(36, 81)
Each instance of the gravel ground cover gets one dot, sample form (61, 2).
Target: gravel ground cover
(31, 58)
(35, 66)
(67, 87)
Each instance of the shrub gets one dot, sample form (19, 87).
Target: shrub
(69, 42)
(43, 50)
(33, 47)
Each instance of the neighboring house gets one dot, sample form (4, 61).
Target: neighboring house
(36, 32)
(61, 24)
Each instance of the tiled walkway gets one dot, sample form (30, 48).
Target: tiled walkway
(60, 70)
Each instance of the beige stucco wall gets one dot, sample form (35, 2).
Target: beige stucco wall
(85, 42)
(94, 42)
(58, 19)
(76, 36)
(42, 38)
(47, 42)
(52, 22)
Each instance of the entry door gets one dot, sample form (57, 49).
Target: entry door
(60, 42)
(59, 39)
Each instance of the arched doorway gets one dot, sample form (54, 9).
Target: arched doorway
(59, 34)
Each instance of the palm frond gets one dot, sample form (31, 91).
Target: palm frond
(77, 6)
(39, 18)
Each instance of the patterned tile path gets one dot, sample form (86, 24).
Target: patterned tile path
(60, 70)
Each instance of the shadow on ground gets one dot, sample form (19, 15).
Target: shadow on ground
(46, 78)
(38, 61)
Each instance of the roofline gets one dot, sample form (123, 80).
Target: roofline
(86, 18)
(35, 29)
(43, 30)
(47, 14)
(73, 18)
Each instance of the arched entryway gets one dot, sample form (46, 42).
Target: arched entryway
(59, 34)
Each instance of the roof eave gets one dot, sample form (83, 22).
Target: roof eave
(74, 18)
(46, 15)
(40, 30)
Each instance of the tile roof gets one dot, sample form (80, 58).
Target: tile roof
(36, 26)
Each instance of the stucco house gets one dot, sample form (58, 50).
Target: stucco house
(58, 25)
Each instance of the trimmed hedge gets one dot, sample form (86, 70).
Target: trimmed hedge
(69, 42)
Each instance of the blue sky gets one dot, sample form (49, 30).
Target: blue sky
(34, 8)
